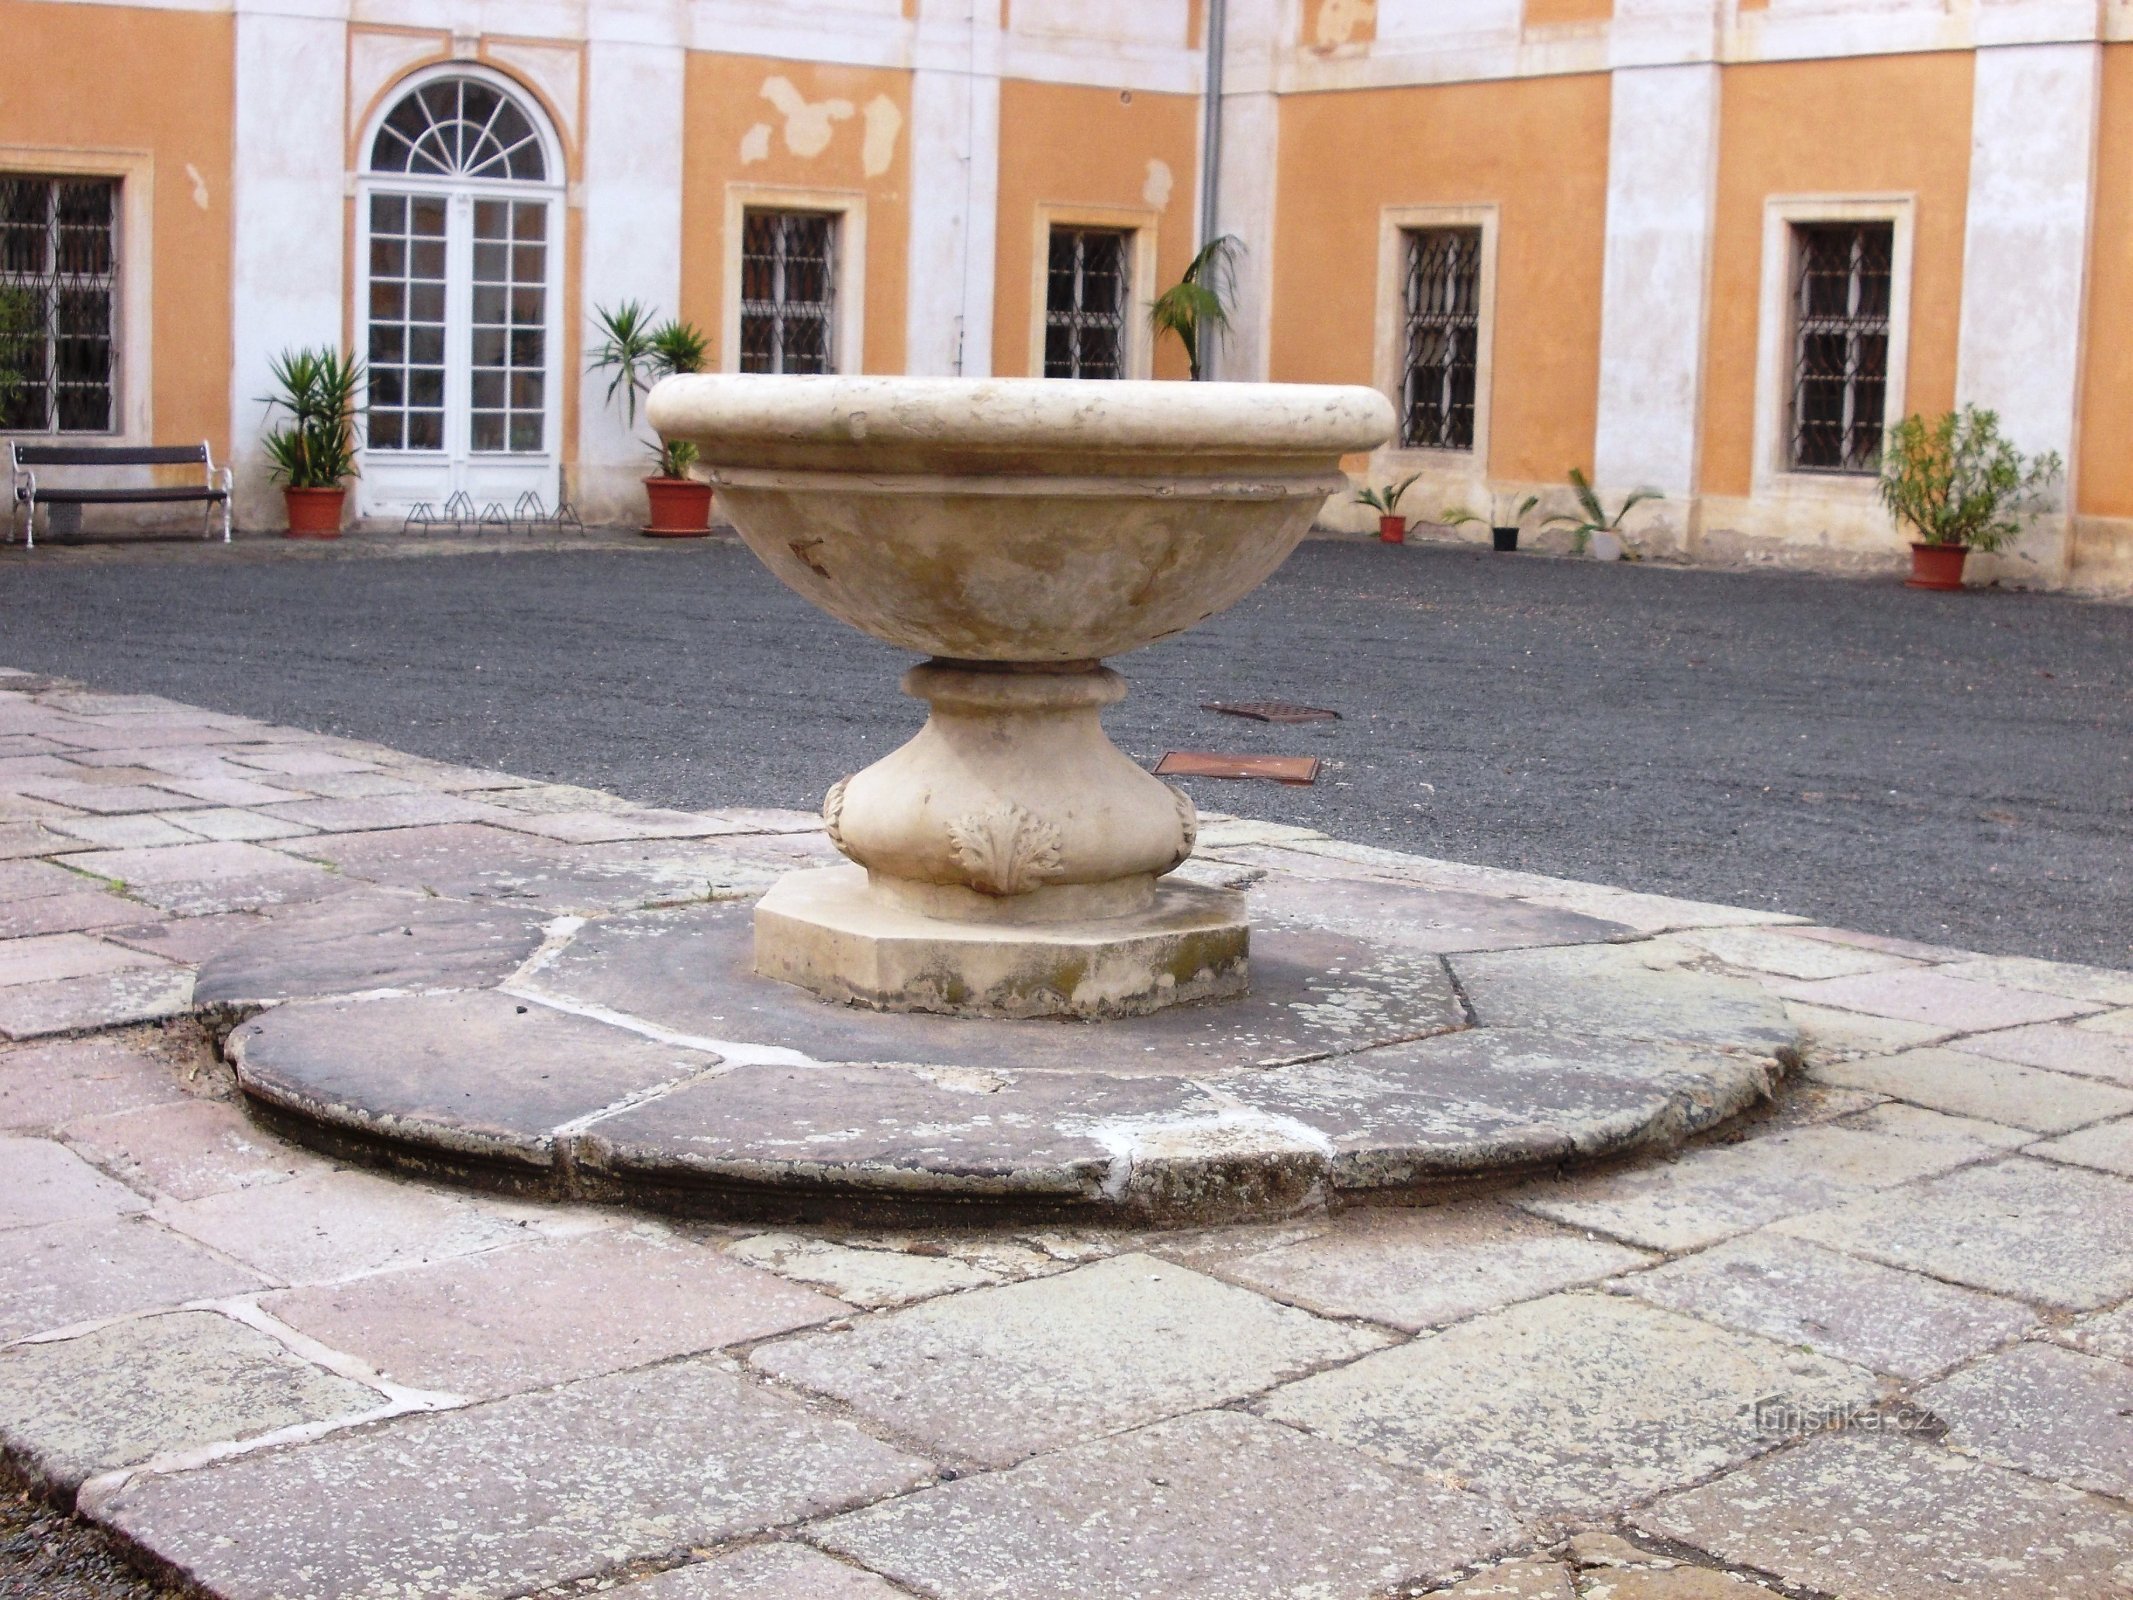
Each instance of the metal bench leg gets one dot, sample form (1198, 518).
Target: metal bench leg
(29, 524)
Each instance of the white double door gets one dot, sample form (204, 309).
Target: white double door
(457, 302)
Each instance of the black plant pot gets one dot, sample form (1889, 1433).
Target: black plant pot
(1506, 538)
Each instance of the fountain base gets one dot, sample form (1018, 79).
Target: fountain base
(832, 933)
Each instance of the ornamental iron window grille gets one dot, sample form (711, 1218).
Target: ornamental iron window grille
(459, 128)
(788, 291)
(1841, 282)
(1442, 303)
(1085, 289)
(58, 304)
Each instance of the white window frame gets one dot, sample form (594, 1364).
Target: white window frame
(1773, 473)
(132, 357)
(1394, 224)
(383, 468)
(1137, 346)
(848, 348)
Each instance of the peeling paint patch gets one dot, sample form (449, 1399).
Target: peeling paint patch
(883, 123)
(1156, 191)
(755, 144)
(1339, 22)
(809, 124)
(192, 176)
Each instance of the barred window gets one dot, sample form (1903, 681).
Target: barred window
(788, 291)
(58, 303)
(1442, 303)
(1085, 290)
(1841, 278)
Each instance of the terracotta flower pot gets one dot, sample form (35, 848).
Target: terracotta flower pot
(314, 513)
(681, 508)
(1392, 530)
(1937, 566)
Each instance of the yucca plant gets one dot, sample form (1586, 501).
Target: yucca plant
(1197, 306)
(320, 389)
(1956, 481)
(1453, 519)
(637, 353)
(1592, 517)
(1386, 501)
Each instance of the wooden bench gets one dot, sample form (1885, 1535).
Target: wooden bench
(213, 490)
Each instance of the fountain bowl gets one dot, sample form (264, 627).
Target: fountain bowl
(1017, 531)
(1019, 519)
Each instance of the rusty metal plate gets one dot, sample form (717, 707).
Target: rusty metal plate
(1271, 711)
(1295, 770)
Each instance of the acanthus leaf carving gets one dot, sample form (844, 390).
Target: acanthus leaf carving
(1004, 849)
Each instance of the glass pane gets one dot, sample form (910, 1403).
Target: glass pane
(425, 430)
(526, 434)
(488, 431)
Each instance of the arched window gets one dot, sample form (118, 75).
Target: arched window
(457, 290)
(459, 128)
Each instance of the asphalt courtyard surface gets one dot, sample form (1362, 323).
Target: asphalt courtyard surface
(1954, 768)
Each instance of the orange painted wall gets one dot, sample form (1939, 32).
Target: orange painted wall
(725, 100)
(2104, 463)
(1067, 146)
(1537, 149)
(84, 78)
(1880, 125)
(1555, 13)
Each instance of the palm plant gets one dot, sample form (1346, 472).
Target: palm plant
(319, 389)
(1956, 481)
(1592, 517)
(1386, 501)
(638, 352)
(1198, 304)
(1453, 519)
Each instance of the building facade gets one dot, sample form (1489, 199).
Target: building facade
(1704, 246)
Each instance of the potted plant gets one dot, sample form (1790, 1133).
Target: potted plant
(1502, 535)
(313, 454)
(1591, 527)
(1392, 527)
(638, 354)
(1959, 485)
(1199, 302)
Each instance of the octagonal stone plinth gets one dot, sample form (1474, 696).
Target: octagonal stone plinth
(827, 932)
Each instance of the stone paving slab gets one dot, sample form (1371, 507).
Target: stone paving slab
(77, 911)
(1977, 1086)
(1609, 989)
(1209, 1507)
(371, 939)
(2038, 1231)
(998, 1374)
(2108, 1148)
(1421, 1269)
(71, 1272)
(869, 1278)
(1934, 998)
(1715, 1191)
(2107, 1333)
(46, 1182)
(476, 1075)
(2082, 1051)
(46, 1085)
(765, 1572)
(72, 1408)
(1879, 1517)
(1574, 1403)
(511, 1496)
(1799, 1294)
(336, 1224)
(188, 1150)
(2047, 1411)
(110, 1000)
(545, 1313)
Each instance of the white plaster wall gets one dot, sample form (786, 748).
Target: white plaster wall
(286, 214)
(632, 248)
(1662, 182)
(1246, 185)
(955, 188)
(2026, 235)
(1157, 22)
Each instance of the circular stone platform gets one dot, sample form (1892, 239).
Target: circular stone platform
(1397, 1038)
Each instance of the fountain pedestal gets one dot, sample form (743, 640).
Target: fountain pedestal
(1008, 859)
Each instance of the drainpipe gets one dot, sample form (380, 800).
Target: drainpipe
(1211, 146)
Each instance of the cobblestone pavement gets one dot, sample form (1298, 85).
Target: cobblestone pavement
(1876, 1342)
(1953, 768)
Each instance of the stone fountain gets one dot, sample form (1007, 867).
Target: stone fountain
(1009, 860)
